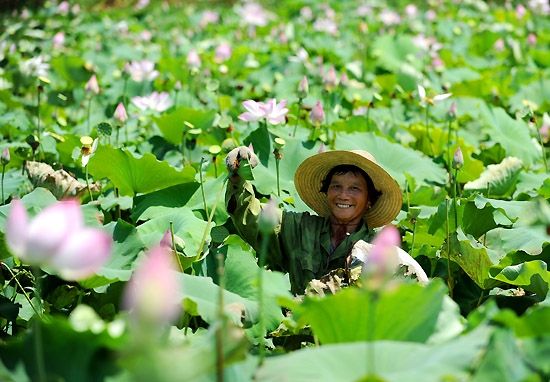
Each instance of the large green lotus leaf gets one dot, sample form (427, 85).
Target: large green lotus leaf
(197, 358)
(518, 212)
(501, 361)
(513, 135)
(528, 239)
(214, 194)
(395, 158)
(172, 124)
(241, 277)
(201, 298)
(537, 92)
(186, 226)
(482, 215)
(175, 196)
(530, 275)
(473, 258)
(126, 246)
(389, 361)
(70, 68)
(457, 75)
(473, 107)
(405, 313)
(530, 183)
(393, 51)
(497, 179)
(92, 362)
(133, 175)
(535, 322)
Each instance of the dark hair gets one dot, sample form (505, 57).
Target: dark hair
(342, 169)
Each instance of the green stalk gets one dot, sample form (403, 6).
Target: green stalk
(297, 117)
(427, 122)
(215, 166)
(3, 172)
(277, 160)
(38, 341)
(543, 151)
(221, 320)
(449, 159)
(88, 114)
(202, 188)
(38, 111)
(455, 192)
(261, 323)
(88, 183)
(210, 218)
(174, 246)
(14, 277)
(449, 276)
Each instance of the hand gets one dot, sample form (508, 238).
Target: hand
(235, 156)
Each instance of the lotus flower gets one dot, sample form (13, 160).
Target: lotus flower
(153, 293)
(275, 113)
(254, 14)
(36, 66)
(223, 52)
(58, 40)
(155, 101)
(57, 238)
(255, 111)
(317, 115)
(92, 86)
(5, 157)
(458, 159)
(208, 17)
(89, 147)
(120, 113)
(193, 59)
(384, 256)
(425, 100)
(141, 70)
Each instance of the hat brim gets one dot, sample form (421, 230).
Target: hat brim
(310, 174)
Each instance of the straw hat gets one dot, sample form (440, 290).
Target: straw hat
(313, 170)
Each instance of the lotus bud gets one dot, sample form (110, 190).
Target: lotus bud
(303, 88)
(120, 113)
(193, 59)
(269, 217)
(92, 86)
(452, 110)
(317, 115)
(458, 159)
(5, 157)
(532, 39)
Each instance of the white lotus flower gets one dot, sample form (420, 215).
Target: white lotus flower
(425, 100)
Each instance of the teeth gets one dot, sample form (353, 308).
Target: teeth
(343, 205)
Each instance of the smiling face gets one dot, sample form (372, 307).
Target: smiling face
(347, 198)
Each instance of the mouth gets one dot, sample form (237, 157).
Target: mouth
(340, 205)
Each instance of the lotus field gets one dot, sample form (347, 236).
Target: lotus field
(119, 260)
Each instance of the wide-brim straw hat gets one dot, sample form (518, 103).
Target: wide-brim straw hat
(310, 174)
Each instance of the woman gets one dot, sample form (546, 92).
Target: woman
(348, 190)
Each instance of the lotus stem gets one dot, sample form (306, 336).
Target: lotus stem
(261, 318)
(14, 277)
(174, 246)
(88, 183)
(202, 188)
(449, 276)
(300, 100)
(541, 142)
(3, 172)
(277, 160)
(211, 217)
(221, 320)
(38, 342)
(88, 114)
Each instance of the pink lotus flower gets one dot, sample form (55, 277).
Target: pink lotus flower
(520, 11)
(430, 15)
(141, 70)
(5, 157)
(255, 111)
(411, 10)
(193, 59)
(326, 25)
(275, 113)
(330, 79)
(92, 85)
(155, 101)
(499, 45)
(223, 52)
(58, 40)
(389, 17)
(153, 293)
(63, 8)
(303, 87)
(120, 113)
(254, 14)
(458, 159)
(57, 238)
(317, 115)
(208, 17)
(532, 39)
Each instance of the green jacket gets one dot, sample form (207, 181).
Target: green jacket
(301, 243)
